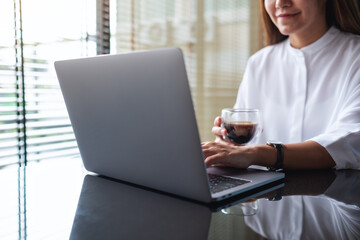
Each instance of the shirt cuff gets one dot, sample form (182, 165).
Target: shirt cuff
(342, 149)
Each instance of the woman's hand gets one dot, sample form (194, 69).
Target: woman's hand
(222, 152)
(220, 132)
(230, 155)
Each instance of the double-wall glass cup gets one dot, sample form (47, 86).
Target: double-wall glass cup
(242, 125)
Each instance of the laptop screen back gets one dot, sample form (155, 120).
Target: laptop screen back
(134, 119)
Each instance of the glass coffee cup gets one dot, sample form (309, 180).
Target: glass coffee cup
(242, 125)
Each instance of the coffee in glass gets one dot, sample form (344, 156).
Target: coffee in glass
(241, 124)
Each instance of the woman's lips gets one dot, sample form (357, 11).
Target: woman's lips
(287, 15)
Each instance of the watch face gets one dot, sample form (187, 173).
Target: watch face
(273, 142)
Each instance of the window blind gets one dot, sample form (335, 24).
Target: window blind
(10, 128)
(216, 36)
(34, 123)
(48, 129)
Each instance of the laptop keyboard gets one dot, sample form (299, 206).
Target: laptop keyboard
(221, 183)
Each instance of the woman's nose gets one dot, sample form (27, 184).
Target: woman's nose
(283, 3)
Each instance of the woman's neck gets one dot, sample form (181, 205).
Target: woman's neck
(304, 38)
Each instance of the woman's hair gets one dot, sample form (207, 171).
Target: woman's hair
(343, 14)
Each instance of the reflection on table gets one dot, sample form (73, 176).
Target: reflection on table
(113, 210)
(109, 209)
(330, 210)
(54, 199)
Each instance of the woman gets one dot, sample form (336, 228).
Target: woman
(306, 84)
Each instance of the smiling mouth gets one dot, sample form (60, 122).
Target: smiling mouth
(287, 15)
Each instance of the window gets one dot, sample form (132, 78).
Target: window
(216, 36)
(34, 124)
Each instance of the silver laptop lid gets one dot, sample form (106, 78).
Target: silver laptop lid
(134, 120)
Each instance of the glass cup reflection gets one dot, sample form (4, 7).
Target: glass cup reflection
(247, 208)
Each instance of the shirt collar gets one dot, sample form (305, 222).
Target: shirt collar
(317, 45)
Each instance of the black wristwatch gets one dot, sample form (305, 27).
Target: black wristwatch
(280, 155)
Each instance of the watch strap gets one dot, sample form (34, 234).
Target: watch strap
(279, 155)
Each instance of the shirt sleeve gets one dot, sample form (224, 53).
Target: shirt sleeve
(342, 139)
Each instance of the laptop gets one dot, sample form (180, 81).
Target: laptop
(134, 120)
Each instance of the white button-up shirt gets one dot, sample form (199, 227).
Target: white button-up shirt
(311, 93)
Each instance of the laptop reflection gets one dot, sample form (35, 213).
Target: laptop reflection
(109, 209)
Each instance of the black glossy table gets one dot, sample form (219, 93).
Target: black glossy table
(58, 199)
